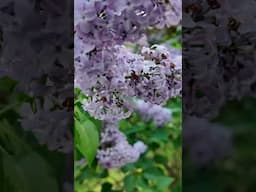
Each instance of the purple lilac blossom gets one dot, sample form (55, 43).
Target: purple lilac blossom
(111, 75)
(115, 151)
(114, 72)
(154, 78)
(35, 51)
(157, 113)
(218, 55)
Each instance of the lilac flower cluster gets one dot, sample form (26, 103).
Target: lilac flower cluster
(171, 59)
(154, 76)
(110, 22)
(111, 75)
(108, 73)
(218, 55)
(219, 40)
(36, 50)
(115, 151)
(153, 112)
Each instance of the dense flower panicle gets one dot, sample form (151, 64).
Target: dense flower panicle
(219, 54)
(115, 151)
(110, 22)
(153, 112)
(206, 142)
(171, 62)
(110, 74)
(35, 51)
(108, 89)
(124, 75)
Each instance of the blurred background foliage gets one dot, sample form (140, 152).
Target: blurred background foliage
(158, 170)
(237, 172)
(25, 166)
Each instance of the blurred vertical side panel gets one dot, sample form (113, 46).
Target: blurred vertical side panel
(36, 95)
(219, 88)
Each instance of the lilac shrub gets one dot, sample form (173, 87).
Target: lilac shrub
(113, 76)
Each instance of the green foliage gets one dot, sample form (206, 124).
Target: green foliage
(159, 169)
(86, 139)
(236, 172)
(24, 166)
(21, 168)
(86, 131)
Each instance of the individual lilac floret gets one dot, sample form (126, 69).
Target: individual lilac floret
(157, 113)
(115, 151)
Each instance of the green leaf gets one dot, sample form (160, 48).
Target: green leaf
(161, 182)
(8, 107)
(177, 187)
(7, 84)
(134, 129)
(159, 136)
(106, 187)
(86, 139)
(130, 182)
(13, 179)
(38, 173)
(27, 174)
